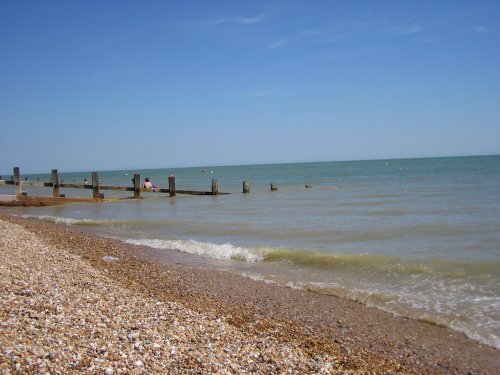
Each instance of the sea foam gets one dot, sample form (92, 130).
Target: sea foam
(211, 250)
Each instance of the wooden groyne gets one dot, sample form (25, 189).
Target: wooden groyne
(22, 199)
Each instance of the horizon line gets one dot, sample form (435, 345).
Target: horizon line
(270, 163)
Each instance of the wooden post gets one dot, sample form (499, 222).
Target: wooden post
(95, 185)
(137, 186)
(17, 180)
(274, 187)
(55, 183)
(215, 186)
(171, 185)
(246, 187)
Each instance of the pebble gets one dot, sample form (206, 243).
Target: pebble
(134, 335)
(84, 321)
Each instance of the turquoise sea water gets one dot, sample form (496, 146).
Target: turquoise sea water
(416, 237)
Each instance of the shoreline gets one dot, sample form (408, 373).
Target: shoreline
(354, 337)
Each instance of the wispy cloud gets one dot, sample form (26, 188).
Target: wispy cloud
(448, 20)
(480, 29)
(222, 20)
(402, 30)
(355, 54)
(279, 43)
(256, 94)
(283, 41)
(393, 23)
(240, 20)
(388, 23)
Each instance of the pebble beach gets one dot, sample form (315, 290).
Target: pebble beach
(73, 302)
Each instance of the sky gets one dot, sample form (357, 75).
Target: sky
(104, 85)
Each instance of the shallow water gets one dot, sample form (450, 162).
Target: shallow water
(416, 237)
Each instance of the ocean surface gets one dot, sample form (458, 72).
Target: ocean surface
(415, 237)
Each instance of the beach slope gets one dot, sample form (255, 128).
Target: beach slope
(75, 302)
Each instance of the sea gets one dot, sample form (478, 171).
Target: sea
(418, 238)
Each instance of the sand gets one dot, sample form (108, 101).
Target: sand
(72, 302)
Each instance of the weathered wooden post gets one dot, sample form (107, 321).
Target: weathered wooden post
(17, 180)
(95, 185)
(171, 185)
(55, 183)
(137, 185)
(215, 186)
(246, 187)
(274, 187)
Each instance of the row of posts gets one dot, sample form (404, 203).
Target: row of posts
(246, 187)
(136, 181)
(172, 191)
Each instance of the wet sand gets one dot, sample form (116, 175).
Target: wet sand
(321, 334)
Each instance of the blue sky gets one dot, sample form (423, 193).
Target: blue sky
(99, 85)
